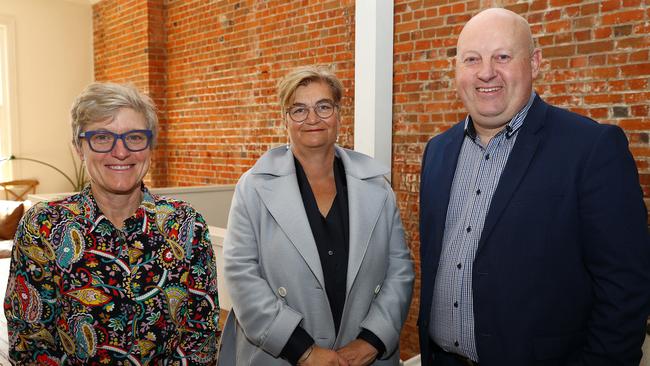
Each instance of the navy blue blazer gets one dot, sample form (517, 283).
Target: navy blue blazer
(562, 270)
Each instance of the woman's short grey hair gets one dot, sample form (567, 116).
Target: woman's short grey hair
(101, 101)
(302, 76)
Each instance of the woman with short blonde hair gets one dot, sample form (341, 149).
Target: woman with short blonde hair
(314, 256)
(113, 274)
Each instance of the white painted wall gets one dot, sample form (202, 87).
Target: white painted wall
(373, 79)
(54, 62)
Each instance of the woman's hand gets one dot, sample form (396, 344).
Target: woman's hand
(358, 353)
(322, 356)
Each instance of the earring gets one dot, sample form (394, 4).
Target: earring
(288, 143)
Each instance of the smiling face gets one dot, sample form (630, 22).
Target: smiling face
(119, 171)
(315, 132)
(495, 68)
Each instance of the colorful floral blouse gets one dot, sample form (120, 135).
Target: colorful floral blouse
(82, 292)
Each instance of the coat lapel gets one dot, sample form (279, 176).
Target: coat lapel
(518, 161)
(365, 202)
(281, 196)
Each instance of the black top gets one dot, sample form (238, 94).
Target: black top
(331, 234)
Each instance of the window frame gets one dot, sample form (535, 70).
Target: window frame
(9, 142)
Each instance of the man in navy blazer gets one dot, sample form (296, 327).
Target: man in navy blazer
(533, 229)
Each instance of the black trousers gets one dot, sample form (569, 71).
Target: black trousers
(443, 358)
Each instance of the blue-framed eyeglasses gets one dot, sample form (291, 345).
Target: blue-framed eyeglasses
(103, 141)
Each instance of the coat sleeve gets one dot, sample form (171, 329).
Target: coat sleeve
(266, 320)
(388, 310)
(617, 251)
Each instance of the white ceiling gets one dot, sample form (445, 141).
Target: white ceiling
(91, 2)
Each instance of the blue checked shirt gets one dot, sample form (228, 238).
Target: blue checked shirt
(477, 174)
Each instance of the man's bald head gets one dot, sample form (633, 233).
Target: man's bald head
(496, 17)
(496, 64)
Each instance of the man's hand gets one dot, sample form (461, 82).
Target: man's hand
(323, 357)
(358, 353)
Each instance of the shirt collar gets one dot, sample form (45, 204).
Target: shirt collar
(511, 128)
(92, 212)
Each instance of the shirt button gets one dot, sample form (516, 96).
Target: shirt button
(478, 191)
(487, 156)
(456, 344)
(456, 304)
(459, 265)
(331, 252)
(469, 228)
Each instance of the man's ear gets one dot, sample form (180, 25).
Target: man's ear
(536, 61)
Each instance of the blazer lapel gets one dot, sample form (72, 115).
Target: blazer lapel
(449, 160)
(518, 161)
(365, 202)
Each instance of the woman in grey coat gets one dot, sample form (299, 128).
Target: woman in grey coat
(314, 257)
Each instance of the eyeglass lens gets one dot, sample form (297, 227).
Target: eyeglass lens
(104, 141)
(299, 113)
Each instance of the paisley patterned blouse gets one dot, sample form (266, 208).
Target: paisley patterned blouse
(82, 292)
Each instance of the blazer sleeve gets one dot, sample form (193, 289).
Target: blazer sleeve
(266, 320)
(615, 241)
(388, 310)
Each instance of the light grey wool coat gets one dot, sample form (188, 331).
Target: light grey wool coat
(273, 272)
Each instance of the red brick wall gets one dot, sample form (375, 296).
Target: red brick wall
(212, 68)
(156, 85)
(120, 41)
(596, 63)
(129, 43)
